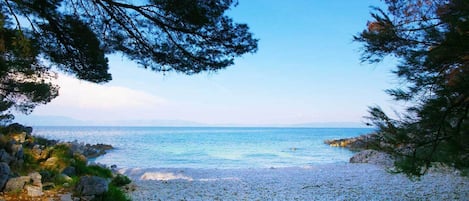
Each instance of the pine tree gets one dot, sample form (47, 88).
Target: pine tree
(74, 36)
(430, 40)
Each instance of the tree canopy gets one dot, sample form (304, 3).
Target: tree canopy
(74, 36)
(430, 40)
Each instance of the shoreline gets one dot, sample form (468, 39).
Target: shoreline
(344, 181)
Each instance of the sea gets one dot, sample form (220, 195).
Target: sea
(210, 147)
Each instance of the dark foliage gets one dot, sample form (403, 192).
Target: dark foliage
(431, 41)
(186, 36)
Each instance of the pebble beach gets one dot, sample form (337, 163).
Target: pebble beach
(342, 181)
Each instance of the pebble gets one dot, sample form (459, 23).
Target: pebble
(322, 182)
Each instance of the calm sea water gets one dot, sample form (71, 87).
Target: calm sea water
(182, 147)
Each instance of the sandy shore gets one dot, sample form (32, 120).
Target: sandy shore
(323, 182)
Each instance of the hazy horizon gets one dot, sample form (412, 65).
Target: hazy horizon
(68, 121)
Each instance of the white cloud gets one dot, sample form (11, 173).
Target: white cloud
(85, 100)
(88, 95)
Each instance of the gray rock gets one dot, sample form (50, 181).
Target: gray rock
(373, 157)
(36, 179)
(66, 197)
(5, 156)
(17, 183)
(69, 171)
(92, 185)
(4, 174)
(17, 151)
(34, 191)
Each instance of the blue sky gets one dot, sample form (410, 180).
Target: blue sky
(307, 69)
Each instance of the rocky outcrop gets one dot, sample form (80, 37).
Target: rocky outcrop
(5, 156)
(89, 151)
(92, 185)
(356, 143)
(4, 174)
(31, 183)
(57, 162)
(34, 188)
(16, 184)
(373, 157)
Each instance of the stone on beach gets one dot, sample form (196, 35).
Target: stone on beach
(322, 182)
(373, 157)
(92, 185)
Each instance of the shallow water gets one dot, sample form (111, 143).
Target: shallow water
(184, 147)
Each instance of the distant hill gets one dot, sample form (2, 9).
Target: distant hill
(36, 120)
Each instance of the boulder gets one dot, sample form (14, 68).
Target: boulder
(92, 185)
(69, 171)
(33, 191)
(373, 157)
(5, 156)
(36, 179)
(19, 137)
(4, 174)
(38, 153)
(17, 183)
(355, 143)
(17, 151)
(51, 163)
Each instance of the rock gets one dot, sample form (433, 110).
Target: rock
(66, 197)
(5, 156)
(356, 143)
(92, 185)
(34, 191)
(51, 163)
(4, 174)
(69, 171)
(17, 183)
(17, 151)
(373, 157)
(38, 153)
(36, 179)
(19, 137)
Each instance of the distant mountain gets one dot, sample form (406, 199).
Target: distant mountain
(36, 120)
(331, 125)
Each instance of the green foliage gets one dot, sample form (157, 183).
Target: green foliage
(120, 180)
(29, 163)
(186, 36)
(62, 151)
(431, 42)
(95, 170)
(114, 194)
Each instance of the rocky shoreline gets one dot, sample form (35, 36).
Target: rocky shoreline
(365, 146)
(35, 168)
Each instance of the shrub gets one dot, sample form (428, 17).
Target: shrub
(120, 180)
(114, 194)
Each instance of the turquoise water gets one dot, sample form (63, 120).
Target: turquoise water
(183, 147)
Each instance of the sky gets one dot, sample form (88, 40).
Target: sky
(307, 70)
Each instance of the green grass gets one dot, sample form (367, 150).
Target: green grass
(114, 194)
(120, 180)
